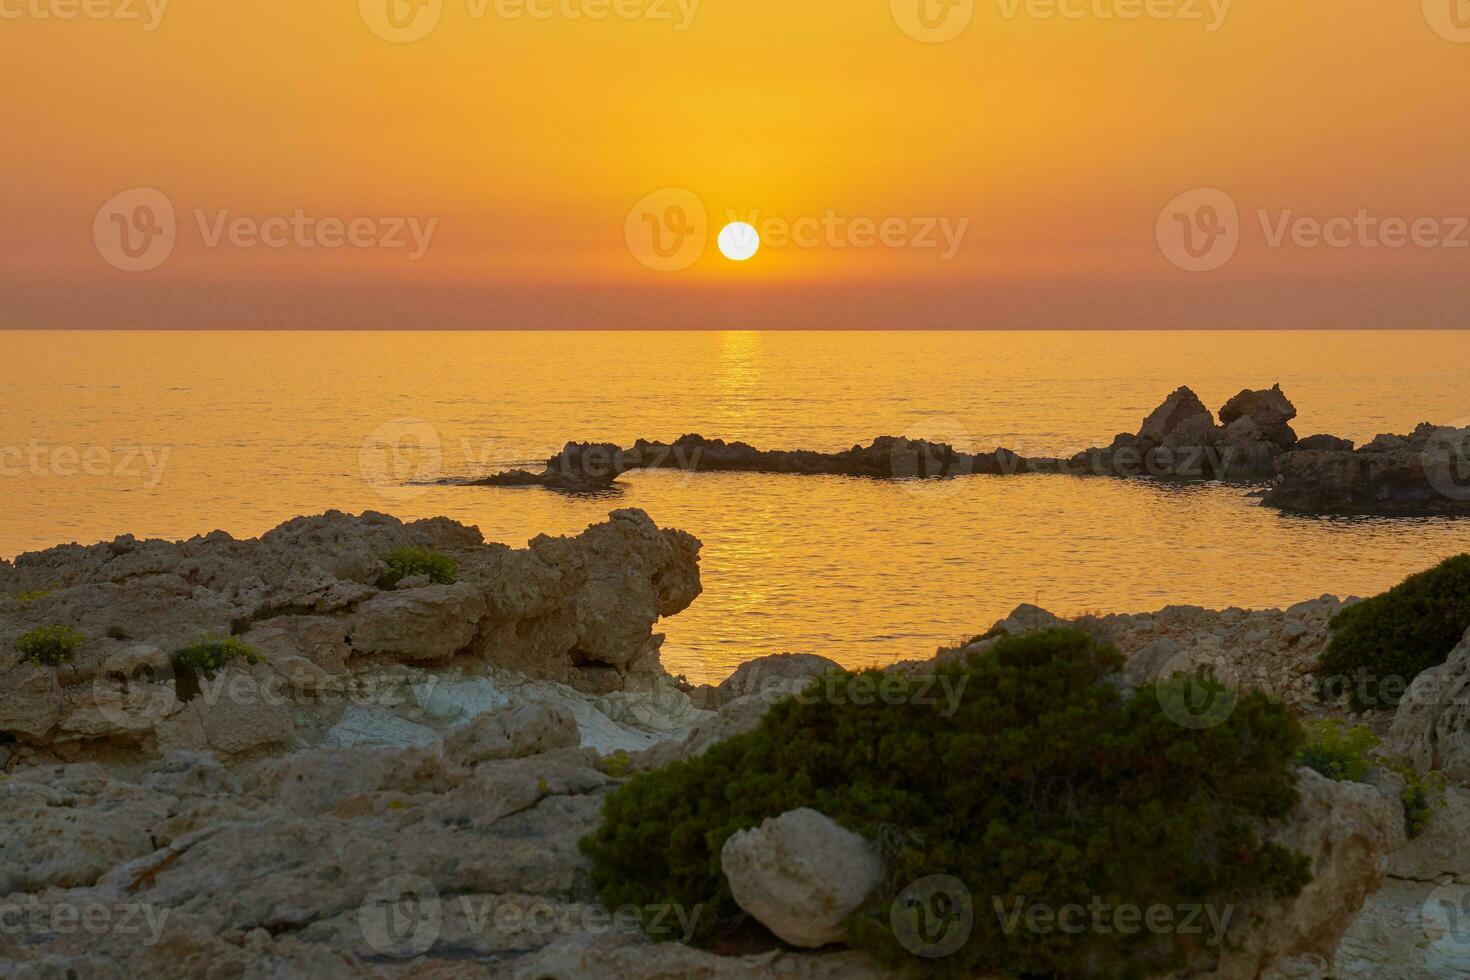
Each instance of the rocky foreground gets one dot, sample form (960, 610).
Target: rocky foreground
(398, 787)
(1251, 442)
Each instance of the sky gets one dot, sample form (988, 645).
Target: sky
(570, 163)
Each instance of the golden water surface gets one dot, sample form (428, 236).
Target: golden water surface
(175, 434)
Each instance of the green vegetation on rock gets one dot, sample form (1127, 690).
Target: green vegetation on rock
(1047, 785)
(50, 646)
(408, 562)
(212, 655)
(1380, 645)
(1346, 754)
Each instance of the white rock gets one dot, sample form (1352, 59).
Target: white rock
(800, 875)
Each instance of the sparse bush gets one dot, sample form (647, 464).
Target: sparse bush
(407, 562)
(212, 655)
(1046, 785)
(50, 645)
(1399, 634)
(1338, 752)
(26, 598)
(1346, 754)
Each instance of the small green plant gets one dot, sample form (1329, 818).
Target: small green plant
(1380, 645)
(1338, 752)
(50, 646)
(1346, 754)
(1422, 796)
(212, 655)
(1044, 785)
(407, 562)
(617, 764)
(26, 598)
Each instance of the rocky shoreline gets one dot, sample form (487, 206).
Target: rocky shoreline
(397, 786)
(1425, 473)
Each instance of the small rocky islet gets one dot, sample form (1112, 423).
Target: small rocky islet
(1250, 442)
(391, 740)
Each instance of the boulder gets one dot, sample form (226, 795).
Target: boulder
(32, 703)
(1180, 407)
(1268, 409)
(1431, 727)
(1324, 443)
(1425, 473)
(774, 677)
(800, 875)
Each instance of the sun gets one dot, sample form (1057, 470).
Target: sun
(739, 241)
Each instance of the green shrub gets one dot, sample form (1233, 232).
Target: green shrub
(26, 598)
(1338, 752)
(50, 645)
(1380, 645)
(1044, 784)
(1345, 754)
(407, 562)
(212, 655)
(1422, 795)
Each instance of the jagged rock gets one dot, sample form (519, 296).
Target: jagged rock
(1344, 829)
(800, 875)
(513, 732)
(1268, 409)
(1431, 727)
(1424, 473)
(578, 610)
(32, 704)
(1179, 408)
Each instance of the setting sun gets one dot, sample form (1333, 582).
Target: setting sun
(739, 241)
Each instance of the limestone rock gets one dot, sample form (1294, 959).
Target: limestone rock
(1431, 727)
(800, 875)
(513, 732)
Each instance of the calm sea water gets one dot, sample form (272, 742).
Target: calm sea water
(173, 434)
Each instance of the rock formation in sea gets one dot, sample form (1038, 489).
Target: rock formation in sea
(1426, 472)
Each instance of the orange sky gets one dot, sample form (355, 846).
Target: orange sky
(1036, 151)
